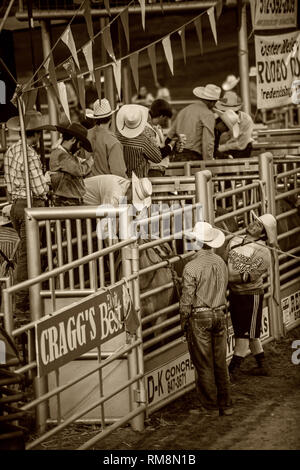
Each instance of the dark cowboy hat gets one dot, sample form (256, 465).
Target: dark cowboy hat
(75, 130)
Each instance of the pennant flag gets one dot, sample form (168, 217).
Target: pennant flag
(87, 50)
(62, 91)
(68, 39)
(81, 89)
(166, 42)
(124, 19)
(49, 65)
(161, 6)
(117, 74)
(212, 20)
(97, 74)
(29, 99)
(71, 71)
(134, 63)
(152, 58)
(143, 11)
(182, 37)
(106, 4)
(252, 10)
(198, 27)
(219, 8)
(108, 43)
(88, 18)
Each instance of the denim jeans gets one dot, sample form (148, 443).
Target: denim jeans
(206, 336)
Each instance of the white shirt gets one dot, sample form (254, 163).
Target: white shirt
(244, 138)
(105, 190)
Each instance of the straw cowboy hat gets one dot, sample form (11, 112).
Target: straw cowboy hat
(230, 100)
(205, 233)
(231, 120)
(75, 130)
(270, 224)
(131, 120)
(5, 217)
(209, 92)
(32, 120)
(230, 82)
(101, 109)
(141, 192)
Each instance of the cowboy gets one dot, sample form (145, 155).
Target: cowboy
(69, 164)
(197, 122)
(241, 146)
(107, 150)
(248, 260)
(16, 192)
(227, 123)
(202, 307)
(138, 147)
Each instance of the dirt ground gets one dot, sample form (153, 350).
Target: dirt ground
(266, 415)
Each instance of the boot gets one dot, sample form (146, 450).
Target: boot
(261, 368)
(234, 367)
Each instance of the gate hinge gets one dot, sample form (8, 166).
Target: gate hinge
(140, 396)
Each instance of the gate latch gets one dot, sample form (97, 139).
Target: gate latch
(139, 396)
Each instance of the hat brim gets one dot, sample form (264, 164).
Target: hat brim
(65, 130)
(127, 131)
(223, 107)
(235, 128)
(200, 93)
(90, 114)
(4, 221)
(136, 200)
(229, 86)
(13, 123)
(217, 241)
(270, 231)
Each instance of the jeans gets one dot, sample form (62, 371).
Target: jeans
(206, 336)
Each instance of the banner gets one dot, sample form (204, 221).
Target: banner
(212, 20)
(275, 14)
(117, 74)
(134, 63)
(152, 57)
(278, 69)
(166, 42)
(182, 37)
(125, 23)
(198, 26)
(88, 18)
(108, 42)
(63, 97)
(87, 50)
(68, 39)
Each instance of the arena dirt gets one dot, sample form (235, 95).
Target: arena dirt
(266, 415)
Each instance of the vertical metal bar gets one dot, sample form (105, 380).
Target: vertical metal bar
(243, 57)
(70, 251)
(50, 263)
(80, 252)
(101, 260)
(202, 193)
(101, 388)
(24, 151)
(109, 91)
(90, 250)
(111, 255)
(8, 314)
(60, 256)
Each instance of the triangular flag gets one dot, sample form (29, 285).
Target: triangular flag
(181, 33)
(124, 19)
(134, 63)
(97, 74)
(219, 8)
(143, 11)
(70, 69)
(106, 4)
(117, 74)
(161, 6)
(62, 91)
(49, 65)
(212, 20)
(81, 89)
(87, 50)
(166, 42)
(68, 39)
(88, 18)
(152, 58)
(29, 99)
(198, 27)
(252, 10)
(108, 43)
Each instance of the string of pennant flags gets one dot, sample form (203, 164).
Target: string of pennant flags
(72, 66)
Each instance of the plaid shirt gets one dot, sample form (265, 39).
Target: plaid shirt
(14, 173)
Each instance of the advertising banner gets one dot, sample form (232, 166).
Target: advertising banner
(274, 14)
(278, 69)
(291, 308)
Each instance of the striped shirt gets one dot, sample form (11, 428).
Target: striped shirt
(204, 283)
(14, 173)
(138, 151)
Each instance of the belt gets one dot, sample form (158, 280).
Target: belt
(208, 309)
(35, 198)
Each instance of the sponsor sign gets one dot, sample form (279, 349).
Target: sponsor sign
(169, 378)
(274, 14)
(80, 327)
(278, 69)
(291, 308)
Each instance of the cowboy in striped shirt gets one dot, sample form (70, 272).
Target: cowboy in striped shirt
(202, 306)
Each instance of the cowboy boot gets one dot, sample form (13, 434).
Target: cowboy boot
(234, 367)
(261, 368)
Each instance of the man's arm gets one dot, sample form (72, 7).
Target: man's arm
(208, 136)
(187, 297)
(70, 164)
(116, 161)
(38, 181)
(151, 151)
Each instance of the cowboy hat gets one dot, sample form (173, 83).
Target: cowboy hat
(230, 100)
(131, 120)
(101, 110)
(252, 72)
(32, 121)
(5, 217)
(209, 92)
(75, 130)
(230, 82)
(205, 233)
(141, 192)
(270, 224)
(231, 120)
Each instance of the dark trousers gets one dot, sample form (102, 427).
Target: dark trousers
(206, 338)
(186, 156)
(18, 220)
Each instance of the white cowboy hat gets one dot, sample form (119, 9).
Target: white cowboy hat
(5, 217)
(252, 72)
(131, 120)
(230, 82)
(32, 120)
(205, 233)
(209, 92)
(141, 192)
(230, 100)
(231, 120)
(101, 109)
(270, 224)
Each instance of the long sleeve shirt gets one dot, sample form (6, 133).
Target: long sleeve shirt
(197, 122)
(107, 153)
(204, 283)
(14, 174)
(244, 138)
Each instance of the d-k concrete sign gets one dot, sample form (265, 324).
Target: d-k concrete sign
(80, 327)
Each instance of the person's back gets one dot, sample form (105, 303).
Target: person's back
(105, 189)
